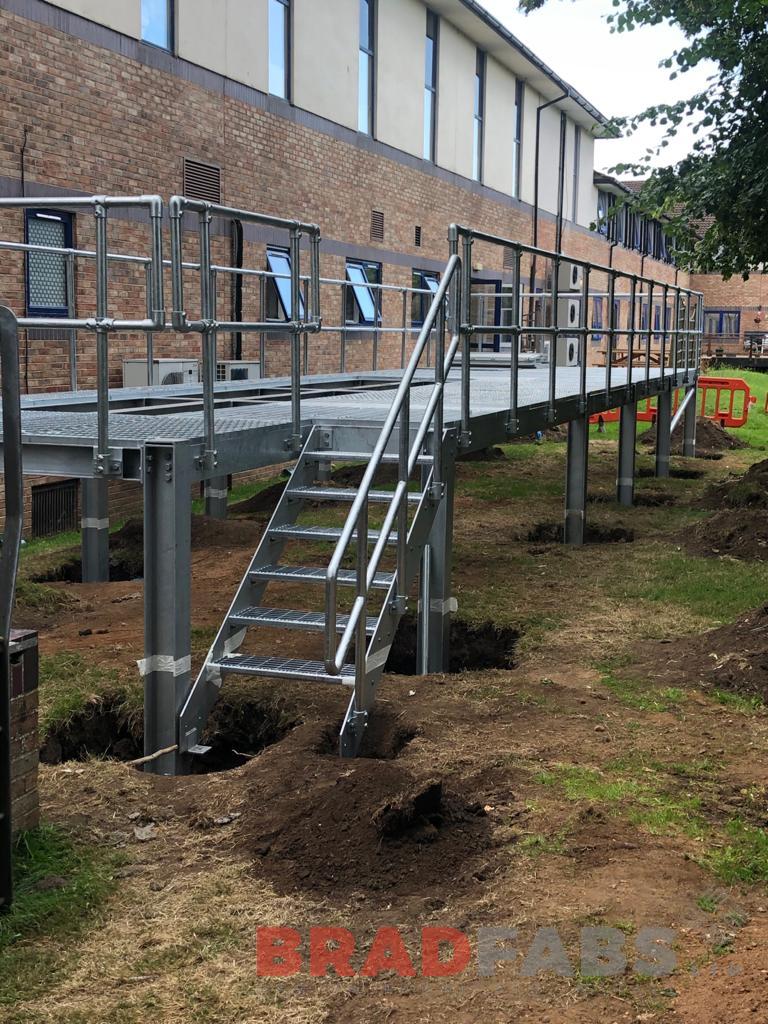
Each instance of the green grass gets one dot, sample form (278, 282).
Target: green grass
(755, 431)
(741, 704)
(744, 858)
(645, 800)
(708, 903)
(68, 683)
(39, 597)
(78, 882)
(538, 844)
(640, 695)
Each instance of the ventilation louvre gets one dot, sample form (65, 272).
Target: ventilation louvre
(377, 226)
(417, 236)
(202, 181)
(509, 258)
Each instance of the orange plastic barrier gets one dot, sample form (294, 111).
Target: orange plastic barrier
(718, 402)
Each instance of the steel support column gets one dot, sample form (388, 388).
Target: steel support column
(167, 556)
(663, 433)
(625, 481)
(435, 601)
(689, 427)
(216, 495)
(576, 480)
(94, 530)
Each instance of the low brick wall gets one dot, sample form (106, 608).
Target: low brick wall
(24, 737)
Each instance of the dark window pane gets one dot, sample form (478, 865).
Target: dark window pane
(46, 272)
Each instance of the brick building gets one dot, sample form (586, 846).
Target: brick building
(383, 122)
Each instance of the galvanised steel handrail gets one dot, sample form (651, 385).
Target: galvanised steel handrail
(209, 326)
(356, 525)
(683, 300)
(102, 323)
(9, 564)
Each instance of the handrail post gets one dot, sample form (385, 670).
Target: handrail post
(663, 347)
(555, 338)
(437, 430)
(611, 334)
(295, 251)
(314, 271)
(9, 563)
(361, 635)
(150, 334)
(208, 314)
(262, 334)
(514, 367)
(649, 335)
(102, 341)
(72, 313)
(402, 515)
(631, 335)
(404, 337)
(343, 332)
(584, 336)
(466, 331)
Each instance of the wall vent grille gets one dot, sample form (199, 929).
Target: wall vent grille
(377, 226)
(202, 181)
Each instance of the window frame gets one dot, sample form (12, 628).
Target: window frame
(478, 133)
(721, 314)
(430, 279)
(67, 219)
(430, 88)
(370, 52)
(170, 6)
(276, 286)
(287, 7)
(354, 289)
(597, 319)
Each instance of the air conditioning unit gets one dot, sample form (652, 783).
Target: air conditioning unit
(570, 277)
(568, 351)
(568, 312)
(164, 371)
(238, 369)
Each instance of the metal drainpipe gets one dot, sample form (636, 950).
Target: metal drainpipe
(237, 287)
(560, 185)
(536, 161)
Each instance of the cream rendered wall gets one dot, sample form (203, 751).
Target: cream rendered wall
(121, 15)
(325, 58)
(401, 44)
(549, 157)
(499, 127)
(531, 100)
(229, 37)
(587, 190)
(455, 100)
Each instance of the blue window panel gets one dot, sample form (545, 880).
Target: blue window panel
(279, 263)
(597, 317)
(156, 21)
(363, 294)
(46, 279)
(278, 48)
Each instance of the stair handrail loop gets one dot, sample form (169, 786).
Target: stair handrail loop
(9, 563)
(336, 651)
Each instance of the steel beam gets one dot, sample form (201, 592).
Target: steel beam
(689, 427)
(663, 433)
(94, 530)
(625, 481)
(167, 633)
(436, 603)
(576, 480)
(216, 494)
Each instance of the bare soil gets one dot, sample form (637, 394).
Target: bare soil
(453, 816)
(747, 491)
(735, 533)
(710, 437)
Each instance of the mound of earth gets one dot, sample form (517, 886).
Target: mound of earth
(710, 437)
(732, 657)
(321, 824)
(747, 491)
(261, 503)
(739, 533)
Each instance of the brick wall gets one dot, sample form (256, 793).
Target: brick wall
(748, 298)
(24, 735)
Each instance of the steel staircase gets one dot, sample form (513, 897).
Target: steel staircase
(250, 612)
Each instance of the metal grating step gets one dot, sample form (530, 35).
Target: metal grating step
(390, 460)
(283, 618)
(307, 574)
(283, 668)
(349, 494)
(320, 533)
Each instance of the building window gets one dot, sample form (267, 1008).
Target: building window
(427, 282)
(477, 142)
(722, 321)
(365, 99)
(278, 294)
(279, 48)
(575, 180)
(157, 23)
(517, 140)
(597, 317)
(54, 508)
(47, 285)
(363, 302)
(430, 89)
(605, 203)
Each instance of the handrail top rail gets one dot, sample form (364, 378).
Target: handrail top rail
(153, 203)
(178, 205)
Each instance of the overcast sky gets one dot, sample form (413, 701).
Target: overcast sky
(617, 73)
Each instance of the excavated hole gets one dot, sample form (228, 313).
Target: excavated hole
(472, 646)
(385, 738)
(236, 732)
(123, 568)
(423, 813)
(553, 533)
